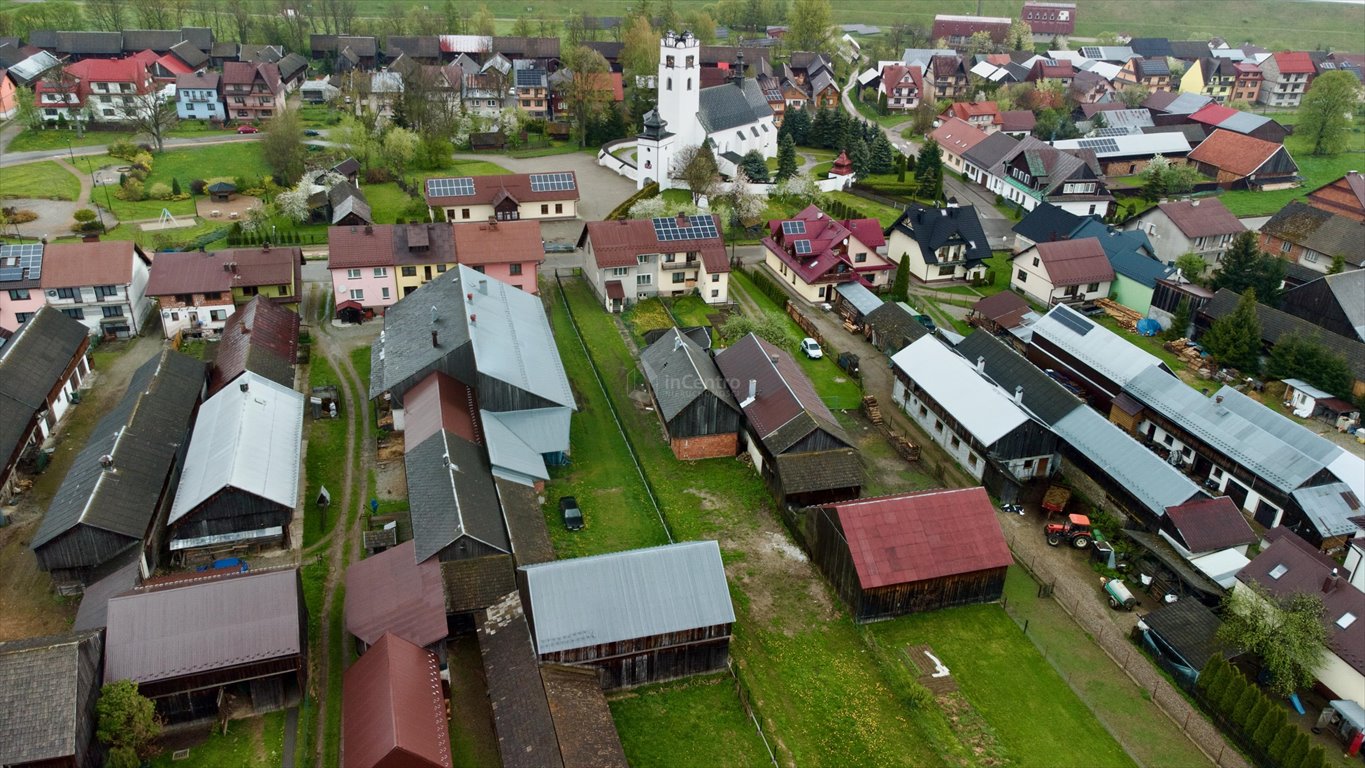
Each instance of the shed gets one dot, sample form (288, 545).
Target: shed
(393, 709)
(261, 337)
(221, 191)
(701, 418)
(911, 552)
(640, 616)
(1208, 525)
(1099, 360)
(241, 478)
(391, 593)
(855, 302)
(999, 312)
(1182, 636)
(1307, 401)
(893, 326)
(48, 690)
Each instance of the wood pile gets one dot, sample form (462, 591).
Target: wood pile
(390, 450)
(873, 411)
(1126, 318)
(1186, 351)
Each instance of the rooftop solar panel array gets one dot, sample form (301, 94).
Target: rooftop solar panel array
(458, 187)
(552, 182)
(1075, 322)
(695, 228)
(802, 247)
(16, 260)
(1099, 145)
(794, 227)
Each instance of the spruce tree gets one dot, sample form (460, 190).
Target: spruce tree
(900, 168)
(1219, 679)
(786, 158)
(1241, 709)
(1284, 740)
(860, 158)
(1259, 712)
(1235, 339)
(929, 172)
(823, 129)
(798, 125)
(900, 288)
(883, 154)
(1317, 758)
(175, 187)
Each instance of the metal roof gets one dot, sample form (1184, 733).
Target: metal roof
(979, 406)
(1189, 628)
(33, 67)
(1130, 145)
(1142, 473)
(511, 456)
(391, 593)
(1043, 397)
(589, 601)
(679, 371)
(859, 296)
(1329, 507)
(1094, 345)
(249, 436)
(726, 106)
(393, 708)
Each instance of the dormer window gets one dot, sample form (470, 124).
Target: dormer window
(1278, 571)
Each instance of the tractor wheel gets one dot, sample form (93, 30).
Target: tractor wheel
(1080, 542)
(1054, 539)
(1113, 603)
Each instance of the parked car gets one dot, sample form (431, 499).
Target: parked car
(811, 348)
(570, 513)
(310, 132)
(248, 129)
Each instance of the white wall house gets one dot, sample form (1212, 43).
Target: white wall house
(197, 96)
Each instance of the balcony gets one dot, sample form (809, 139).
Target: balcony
(679, 264)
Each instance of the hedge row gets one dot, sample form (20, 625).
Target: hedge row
(1259, 723)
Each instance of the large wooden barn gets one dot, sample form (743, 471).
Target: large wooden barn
(913, 552)
(640, 616)
(700, 415)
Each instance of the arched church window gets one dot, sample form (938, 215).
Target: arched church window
(670, 83)
(689, 83)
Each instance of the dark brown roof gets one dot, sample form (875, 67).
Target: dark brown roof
(500, 242)
(261, 337)
(391, 593)
(476, 583)
(527, 47)
(31, 365)
(521, 508)
(163, 634)
(521, 711)
(1206, 525)
(440, 402)
(198, 272)
(1202, 218)
(393, 710)
(837, 469)
(1276, 323)
(1004, 308)
(785, 407)
(1327, 233)
(1075, 262)
(587, 734)
(617, 243)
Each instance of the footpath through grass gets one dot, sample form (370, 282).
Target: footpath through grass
(325, 463)
(256, 742)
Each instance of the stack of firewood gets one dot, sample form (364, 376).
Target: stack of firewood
(1126, 318)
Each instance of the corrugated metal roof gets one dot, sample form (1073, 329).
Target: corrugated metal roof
(512, 458)
(393, 708)
(249, 440)
(262, 337)
(859, 296)
(1142, 473)
(392, 593)
(1329, 507)
(1047, 400)
(986, 412)
(588, 601)
(1188, 627)
(1099, 348)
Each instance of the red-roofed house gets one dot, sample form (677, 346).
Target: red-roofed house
(956, 31)
(1066, 271)
(1344, 197)
(1049, 21)
(627, 261)
(1286, 75)
(903, 86)
(955, 137)
(107, 90)
(909, 553)
(104, 285)
(505, 198)
(1207, 525)
(393, 709)
(1203, 226)
(196, 291)
(813, 253)
(1238, 161)
(252, 90)
(507, 250)
(982, 115)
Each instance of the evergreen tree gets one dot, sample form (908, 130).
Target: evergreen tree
(881, 102)
(1244, 266)
(1317, 757)
(1213, 671)
(1241, 709)
(1180, 321)
(1299, 749)
(1237, 685)
(1218, 679)
(1269, 728)
(860, 157)
(883, 154)
(799, 126)
(823, 129)
(786, 157)
(900, 168)
(1298, 357)
(929, 172)
(175, 187)
(900, 288)
(1235, 339)
(1279, 748)
(1338, 264)
(754, 166)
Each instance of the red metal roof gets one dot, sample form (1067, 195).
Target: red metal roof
(437, 403)
(1212, 114)
(826, 259)
(129, 70)
(617, 243)
(390, 592)
(964, 110)
(260, 325)
(917, 536)
(1210, 524)
(1293, 62)
(964, 26)
(1075, 262)
(1047, 18)
(393, 710)
(614, 290)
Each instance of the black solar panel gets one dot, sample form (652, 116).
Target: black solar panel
(1099, 145)
(552, 182)
(11, 274)
(695, 228)
(459, 187)
(802, 247)
(793, 227)
(1074, 322)
(20, 258)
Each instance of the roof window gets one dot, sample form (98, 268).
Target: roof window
(1346, 620)
(1278, 571)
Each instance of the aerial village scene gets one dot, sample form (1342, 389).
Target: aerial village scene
(682, 383)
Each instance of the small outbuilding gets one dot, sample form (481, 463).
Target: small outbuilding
(909, 553)
(1182, 636)
(48, 690)
(393, 709)
(221, 191)
(701, 418)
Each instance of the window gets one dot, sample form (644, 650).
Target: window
(66, 293)
(384, 292)
(381, 271)
(250, 290)
(642, 259)
(479, 269)
(218, 315)
(357, 294)
(113, 311)
(644, 279)
(715, 278)
(946, 271)
(1310, 256)
(1022, 276)
(19, 294)
(1035, 261)
(559, 207)
(409, 271)
(213, 295)
(22, 317)
(619, 271)
(464, 213)
(1092, 287)
(353, 274)
(715, 294)
(544, 209)
(957, 443)
(971, 460)
(184, 298)
(923, 412)
(513, 269)
(677, 278)
(281, 290)
(859, 258)
(106, 291)
(440, 268)
(1285, 246)
(1346, 620)
(1279, 571)
(938, 425)
(75, 313)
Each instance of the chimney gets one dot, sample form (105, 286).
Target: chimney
(1329, 584)
(107, 461)
(1218, 400)
(1019, 394)
(227, 267)
(483, 285)
(265, 247)
(980, 363)
(492, 223)
(1194, 203)
(677, 342)
(435, 338)
(244, 386)
(369, 229)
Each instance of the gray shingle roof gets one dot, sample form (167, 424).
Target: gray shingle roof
(1189, 628)
(143, 433)
(45, 683)
(679, 372)
(31, 364)
(992, 150)
(1043, 396)
(1323, 231)
(451, 493)
(726, 106)
(621, 596)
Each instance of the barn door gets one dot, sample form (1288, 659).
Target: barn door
(1237, 493)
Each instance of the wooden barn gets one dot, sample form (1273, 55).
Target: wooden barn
(241, 478)
(48, 690)
(393, 709)
(797, 446)
(700, 416)
(454, 502)
(111, 506)
(391, 594)
(854, 302)
(196, 646)
(914, 552)
(641, 616)
(1094, 358)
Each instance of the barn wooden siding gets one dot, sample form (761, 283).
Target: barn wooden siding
(706, 415)
(466, 548)
(77, 555)
(652, 659)
(232, 510)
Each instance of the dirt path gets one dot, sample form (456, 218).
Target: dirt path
(87, 185)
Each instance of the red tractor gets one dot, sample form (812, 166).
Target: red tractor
(1075, 530)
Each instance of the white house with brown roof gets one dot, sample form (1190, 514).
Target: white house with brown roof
(196, 292)
(1204, 226)
(198, 96)
(903, 85)
(955, 136)
(628, 261)
(545, 196)
(103, 284)
(1066, 271)
(252, 90)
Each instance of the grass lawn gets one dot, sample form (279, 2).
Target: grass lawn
(821, 170)
(648, 315)
(45, 180)
(692, 310)
(387, 202)
(186, 165)
(660, 723)
(878, 456)
(325, 462)
(56, 138)
(1316, 172)
(167, 238)
(1000, 672)
(882, 213)
(256, 742)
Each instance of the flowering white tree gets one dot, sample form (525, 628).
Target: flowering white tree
(748, 205)
(649, 208)
(799, 189)
(293, 202)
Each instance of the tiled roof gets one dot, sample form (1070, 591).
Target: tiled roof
(488, 188)
(1202, 218)
(1017, 120)
(785, 407)
(1293, 62)
(502, 242)
(354, 246)
(1234, 152)
(1206, 525)
(957, 136)
(617, 243)
(45, 685)
(198, 272)
(919, 536)
(205, 79)
(31, 366)
(475, 583)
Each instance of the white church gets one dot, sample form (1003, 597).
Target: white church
(734, 116)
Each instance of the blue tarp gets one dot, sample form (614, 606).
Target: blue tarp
(1148, 327)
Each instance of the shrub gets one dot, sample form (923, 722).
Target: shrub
(22, 216)
(1237, 684)
(1241, 709)
(415, 210)
(1279, 748)
(1259, 713)
(159, 191)
(132, 190)
(1299, 750)
(1269, 728)
(90, 227)
(1317, 757)
(377, 175)
(125, 150)
(198, 186)
(84, 215)
(175, 187)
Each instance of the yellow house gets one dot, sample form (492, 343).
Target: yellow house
(544, 196)
(1211, 77)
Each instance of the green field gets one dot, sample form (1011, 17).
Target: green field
(1316, 172)
(324, 464)
(705, 723)
(45, 180)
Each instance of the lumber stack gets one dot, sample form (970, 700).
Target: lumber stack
(1126, 318)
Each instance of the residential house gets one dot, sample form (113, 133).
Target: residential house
(102, 284)
(1049, 21)
(608, 84)
(1286, 75)
(1152, 74)
(240, 482)
(1045, 224)
(365, 48)
(196, 291)
(1136, 268)
(987, 154)
(252, 91)
(1129, 154)
(701, 418)
(1344, 197)
(1290, 566)
(796, 445)
(42, 370)
(21, 293)
(982, 115)
(394, 708)
(198, 96)
(956, 31)
(111, 506)
(1035, 173)
(941, 243)
(886, 557)
(392, 595)
(547, 196)
(1331, 302)
(1097, 361)
(1213, 116)
(1314, 238)
(1249, 79)
(813, 75)
(1237, 161)
(379, 93)
(485, 93)
(640, 616)
(956, 137)
(1204, 226)
(533, 91)
(1090, 88)
(1213, 77)
(194, 645)
(49, 687)
(631, 260)
(946, 77)
(1113, 54)
(970, 417)
(261, 337)
(1107, 121)
(813, 253)
(9, 103)
(509, 251)
(903, 86)
(1274, 469)
(1060, 70)
(100, 90)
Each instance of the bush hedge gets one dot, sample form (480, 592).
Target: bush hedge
(1257, 722)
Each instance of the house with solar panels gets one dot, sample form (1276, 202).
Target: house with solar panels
(632, 260)
(1129, 153)
(813, 253)
(103, 284)
(546, 196)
